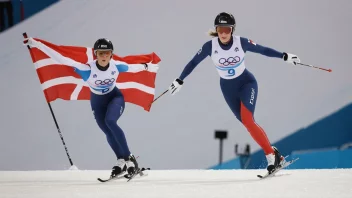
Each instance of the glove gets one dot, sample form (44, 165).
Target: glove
(175, 86)
(291, 58)
(151, 67)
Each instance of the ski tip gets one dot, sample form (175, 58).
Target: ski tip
(101, 180)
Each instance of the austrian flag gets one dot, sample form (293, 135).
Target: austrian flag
(60, 81)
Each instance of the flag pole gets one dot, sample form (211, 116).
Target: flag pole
(52, 113)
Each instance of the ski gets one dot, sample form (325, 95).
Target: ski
(126, 176)
(138, 172)
(278, 169)
(112, 178)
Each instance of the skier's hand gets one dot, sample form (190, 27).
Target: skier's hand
(175, 86)
(291, 58)
(151, 67)
(29, 41)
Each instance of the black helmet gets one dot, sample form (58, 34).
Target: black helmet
(103, 44)
(225, 19)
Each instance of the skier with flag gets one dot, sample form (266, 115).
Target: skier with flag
(106, 99)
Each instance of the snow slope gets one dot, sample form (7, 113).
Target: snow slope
(178, 183)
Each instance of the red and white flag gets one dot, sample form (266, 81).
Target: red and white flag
(60, 81)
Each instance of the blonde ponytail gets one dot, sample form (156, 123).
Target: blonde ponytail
(213, 33)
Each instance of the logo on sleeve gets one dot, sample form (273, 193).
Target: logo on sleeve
(121, 110)
(250, 41)
(200, 51)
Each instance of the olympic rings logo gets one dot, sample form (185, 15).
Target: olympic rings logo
(105, 82)
(229, 60)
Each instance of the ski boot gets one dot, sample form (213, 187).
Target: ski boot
(275, 160)
(119, 169)
(132, 165)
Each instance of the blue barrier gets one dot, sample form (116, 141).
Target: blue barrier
(323, 159)
(30, 7)
(232, 164)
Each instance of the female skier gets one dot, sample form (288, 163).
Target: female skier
(107, 101)
(238, 85)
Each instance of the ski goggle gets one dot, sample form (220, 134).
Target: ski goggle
(223, 29)
(102, 53)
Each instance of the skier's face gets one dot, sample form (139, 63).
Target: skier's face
(103, 57)
(224, 33)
